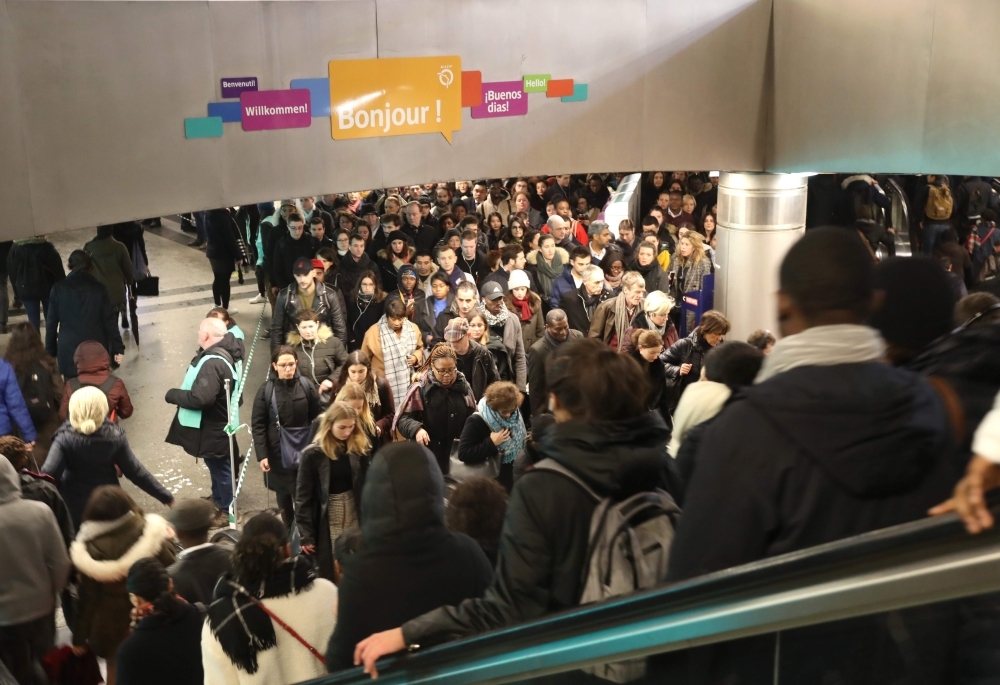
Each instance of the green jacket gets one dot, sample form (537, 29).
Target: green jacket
(112, 267)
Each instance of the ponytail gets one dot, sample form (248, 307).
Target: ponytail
(149, 580)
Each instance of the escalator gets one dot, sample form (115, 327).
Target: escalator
(916, 603)
(899, 218)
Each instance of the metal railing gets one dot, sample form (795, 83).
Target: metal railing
(926, 561)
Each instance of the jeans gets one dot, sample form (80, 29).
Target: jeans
(33, 308)
(222, 482)
(932, 234)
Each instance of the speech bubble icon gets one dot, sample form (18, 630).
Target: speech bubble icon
(400, 96)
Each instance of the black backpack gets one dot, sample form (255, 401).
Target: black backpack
(75, 384)
(36, 388)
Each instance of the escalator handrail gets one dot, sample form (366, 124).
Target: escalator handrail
(880, 552)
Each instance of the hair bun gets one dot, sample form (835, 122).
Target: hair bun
(88, 426)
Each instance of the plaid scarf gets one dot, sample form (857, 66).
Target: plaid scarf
(395, 350)
(499, 319)
(622, 319)
(414, 399)
(515, 424)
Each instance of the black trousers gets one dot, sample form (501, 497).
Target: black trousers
(222, 271)
(22, 647)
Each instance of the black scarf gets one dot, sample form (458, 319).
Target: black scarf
(590, 302)
(241, 627)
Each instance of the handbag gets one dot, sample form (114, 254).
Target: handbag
(148, 287)
(459, 471)
(293, 440)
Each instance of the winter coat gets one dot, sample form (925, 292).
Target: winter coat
(360, 321)
(640, 321)
(35, 564)
(320, 359)
(690, 350)
(94, 367)
(311, 612)
(443, 417)
(425, 319)
(225, 240)
(286, 253)
(163, 649)
(80, 309)
(298, 404)
(82, 463)
(372, 346)
(103, 553)
(418, 299)
(39, 487)
(325, 303)
(14, 410)
(411, 563)
(849, 448)
(34, 266)
(533, 328)
(602, 325)
(653, 275)
(484, 371)
(312, 501)
(388, 271)
(659, 396)
(350, 272)
(513, 343)
(694, 274)
(576, 310)
(197, 570)
(130, 234)
(562, 285)
(112, 267)
(209, 395)
(546, 530)
(537, 357)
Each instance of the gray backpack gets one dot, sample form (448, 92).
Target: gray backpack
(628, 551)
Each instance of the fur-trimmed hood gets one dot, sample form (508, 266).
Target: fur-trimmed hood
(322, 335)
(532, 257)
(410, 251)
(534, 303)
(155, 532)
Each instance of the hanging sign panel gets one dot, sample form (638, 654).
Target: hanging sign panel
(372, 98)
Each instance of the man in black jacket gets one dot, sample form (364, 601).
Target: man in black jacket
(79, 310)
(306, 292)
(580, 304)
(829, 443)
(353, 264)
(557, 331)
(200, 562)
(288, 249)
(203, 409)
(411, 562)
(605, 436)
(472, 359)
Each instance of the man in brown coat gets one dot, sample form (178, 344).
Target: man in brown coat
(613, 317)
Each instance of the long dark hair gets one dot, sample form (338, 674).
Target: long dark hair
(149, 580)
(260, 550)
(354, 358)
(378, 296)
(26, 349)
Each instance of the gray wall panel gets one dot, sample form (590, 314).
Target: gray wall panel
(15, 193)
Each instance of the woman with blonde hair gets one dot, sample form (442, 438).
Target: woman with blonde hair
(655, 316)
(687, 269)
(87, 448)
(354, 394)
(329, 484)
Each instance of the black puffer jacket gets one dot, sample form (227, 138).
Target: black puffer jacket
(82, 463)
(319, 359)
(79, 310)
(34, 266)
(484, 371)
(547, 526)
(209, 395)
(690, 350)
(312, 501)
(326, 304)
(411, 563)
(298, 404)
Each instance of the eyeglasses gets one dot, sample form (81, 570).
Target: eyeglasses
(450, 371)
(287, 365)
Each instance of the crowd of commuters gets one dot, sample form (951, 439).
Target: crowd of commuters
(462, 377)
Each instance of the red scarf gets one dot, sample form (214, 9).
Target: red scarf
(525, 306)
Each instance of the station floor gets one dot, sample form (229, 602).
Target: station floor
(168, 339)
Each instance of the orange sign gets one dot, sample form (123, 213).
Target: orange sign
(372, 98)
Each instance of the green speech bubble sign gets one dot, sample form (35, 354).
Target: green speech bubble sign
(536, 83)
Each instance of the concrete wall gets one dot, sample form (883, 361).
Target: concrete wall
(93, 96)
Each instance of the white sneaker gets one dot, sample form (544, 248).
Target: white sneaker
(233, 310)
(258, 299)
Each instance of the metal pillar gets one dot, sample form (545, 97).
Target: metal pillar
(760, 216)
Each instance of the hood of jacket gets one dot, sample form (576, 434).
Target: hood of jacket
(403, 497)
(108, 433)
(10, 483)
(532, 257)
(155, 532)
(616, 458)
(91, 357)
(323, 334)
(873, 428)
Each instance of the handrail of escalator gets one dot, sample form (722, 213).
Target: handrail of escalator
(903, 238)
(916, 563)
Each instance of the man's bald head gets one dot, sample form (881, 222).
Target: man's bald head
(557, 325)
(555, 316)
(210, 332)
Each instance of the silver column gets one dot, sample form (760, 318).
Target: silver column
(760, 216)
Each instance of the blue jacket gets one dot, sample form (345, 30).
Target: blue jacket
(561, 286)
(14, 408)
